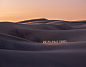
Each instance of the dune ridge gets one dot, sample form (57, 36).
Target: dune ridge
(10, 37)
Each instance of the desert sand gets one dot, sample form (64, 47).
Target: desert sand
(21, 43)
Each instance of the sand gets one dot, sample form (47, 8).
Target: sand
(21, 43)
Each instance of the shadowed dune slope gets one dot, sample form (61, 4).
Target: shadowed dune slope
(61, 58)
(9, 28)
(45, 35)
(32, 46)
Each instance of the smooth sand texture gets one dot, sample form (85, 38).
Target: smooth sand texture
(21, 43)
(45, 35)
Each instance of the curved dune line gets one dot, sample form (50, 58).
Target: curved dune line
(15, 37)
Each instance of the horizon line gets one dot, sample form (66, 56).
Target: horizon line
(42, 18)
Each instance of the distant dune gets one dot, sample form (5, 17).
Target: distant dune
(21, 43)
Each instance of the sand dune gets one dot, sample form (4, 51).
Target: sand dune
(37, 20)
(61, 58)
(10, 37)
(45, 35)
(9, 28)
(34, 46)
(21, 43)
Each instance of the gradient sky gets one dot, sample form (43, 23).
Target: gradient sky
(17, 10)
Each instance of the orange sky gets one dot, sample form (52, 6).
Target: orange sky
(17, 10)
